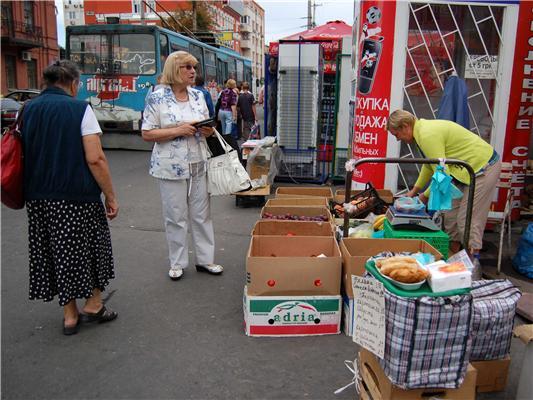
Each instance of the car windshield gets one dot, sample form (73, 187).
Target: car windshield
(126, 54)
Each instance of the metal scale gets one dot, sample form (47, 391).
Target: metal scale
(414, 221)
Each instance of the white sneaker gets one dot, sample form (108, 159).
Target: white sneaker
(175, 273)
(213, 269)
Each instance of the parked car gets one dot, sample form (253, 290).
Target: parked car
(8, 111)
(22, 95)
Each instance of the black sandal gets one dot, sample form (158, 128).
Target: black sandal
(71, 330)
(104, 315)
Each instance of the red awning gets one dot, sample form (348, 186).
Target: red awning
(330, 30)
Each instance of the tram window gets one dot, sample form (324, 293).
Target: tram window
(163, 48)
(210, 68)
(240, 71)
(232, 74)
(197, 52)
(176, 47)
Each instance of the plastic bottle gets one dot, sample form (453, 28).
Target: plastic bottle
(476, 272)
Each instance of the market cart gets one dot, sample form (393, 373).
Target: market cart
(436, 161)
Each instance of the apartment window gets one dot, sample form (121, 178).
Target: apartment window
(136, 6)
(150, 3)
(72, 14)
(32, 74)
(11, 71)
(29, 20)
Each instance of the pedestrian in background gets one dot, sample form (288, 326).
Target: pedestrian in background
(178, 161)
(228, 107)
(246, 110)
(199, 85)
(65, 173)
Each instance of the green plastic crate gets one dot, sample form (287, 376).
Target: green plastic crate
(438, 239)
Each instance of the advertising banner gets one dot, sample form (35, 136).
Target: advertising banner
(520, 111)
(372, 94)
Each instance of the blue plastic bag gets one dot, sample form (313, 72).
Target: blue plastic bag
(442, 191)
(523, 260)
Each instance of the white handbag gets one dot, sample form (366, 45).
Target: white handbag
(225, 173)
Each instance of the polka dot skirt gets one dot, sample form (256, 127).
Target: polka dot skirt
(70, 249)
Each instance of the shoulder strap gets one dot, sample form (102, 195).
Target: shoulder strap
(16, 126)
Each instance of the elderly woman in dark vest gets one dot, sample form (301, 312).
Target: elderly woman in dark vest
(66, 172)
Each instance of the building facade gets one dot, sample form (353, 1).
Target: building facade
(73, 12)
(225, 18)
(253, 39)
(29, 43)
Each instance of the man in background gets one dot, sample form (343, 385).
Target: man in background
(246, 109)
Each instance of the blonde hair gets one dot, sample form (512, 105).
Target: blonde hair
(171, 70)
(400, 118)
(231, 84)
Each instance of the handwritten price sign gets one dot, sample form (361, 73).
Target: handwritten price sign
(369, 314)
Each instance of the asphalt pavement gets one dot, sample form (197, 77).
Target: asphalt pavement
(172, 340)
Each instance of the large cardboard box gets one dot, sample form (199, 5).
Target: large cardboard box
(298, 202)
(311, 211)
(385, 195)
(299, 191)
(281, 266)
(492, 375)
(267, 227)
(356, 251)
(376, 385)
(291, 315)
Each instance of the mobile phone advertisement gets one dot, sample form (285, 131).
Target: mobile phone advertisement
(373, 86)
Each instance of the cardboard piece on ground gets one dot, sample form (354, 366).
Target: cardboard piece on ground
(525, 306)
(266, 227)
(384, 194)
(492, 374)
(378, 386)
(356, 251)
(310, 211)
(281, 265)
(525, 383)
(264, 191)
(291, 315)
(306, 191)
(298, 201)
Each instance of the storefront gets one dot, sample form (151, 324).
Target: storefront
(402, 55)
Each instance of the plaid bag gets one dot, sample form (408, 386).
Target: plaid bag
(427, 341)
(492, 322)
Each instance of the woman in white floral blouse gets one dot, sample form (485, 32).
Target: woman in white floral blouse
(179, 162)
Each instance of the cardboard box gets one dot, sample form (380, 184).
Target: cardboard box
(299, 191)
(355, 253)
(385, 195)
(281, 266)
(348, 320)
(264, 191)
(291, 315)
(311, 211)
(298, 202)
(491, 375)
(525, 383)
(267, 227)
(376, 385)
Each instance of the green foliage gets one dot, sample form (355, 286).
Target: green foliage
(184, 16)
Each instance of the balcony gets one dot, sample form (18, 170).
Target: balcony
(246, 44)
(20, 34)
(246, 27)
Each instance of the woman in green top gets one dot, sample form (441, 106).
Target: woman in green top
(446, 139)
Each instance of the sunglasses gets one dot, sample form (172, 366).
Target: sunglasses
(188, 67)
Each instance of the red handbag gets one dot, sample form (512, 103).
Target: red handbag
(12, 164)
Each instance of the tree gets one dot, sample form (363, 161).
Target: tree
(185, 18)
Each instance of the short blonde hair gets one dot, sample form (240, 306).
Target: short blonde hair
(400, 118)
(171, 70)
(231, 84)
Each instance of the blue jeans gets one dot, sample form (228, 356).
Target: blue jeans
(226, 118)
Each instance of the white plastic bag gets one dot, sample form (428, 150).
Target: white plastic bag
(225, 173)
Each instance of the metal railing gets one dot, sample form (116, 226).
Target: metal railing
(20, 32)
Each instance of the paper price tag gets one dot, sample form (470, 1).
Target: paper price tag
(369, 314)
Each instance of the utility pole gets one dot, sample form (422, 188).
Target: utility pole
(194, 26)
(313, 23)
(143, 20)
(309, 14)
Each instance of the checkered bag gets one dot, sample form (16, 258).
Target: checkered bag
(492, 322)
(427, 341)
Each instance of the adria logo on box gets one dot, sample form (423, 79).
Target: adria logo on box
(293, 312)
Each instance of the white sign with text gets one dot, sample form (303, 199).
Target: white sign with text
(484, 67)
(369, 314)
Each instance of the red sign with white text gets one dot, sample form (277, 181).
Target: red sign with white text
(376, 45)
(520, 112)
